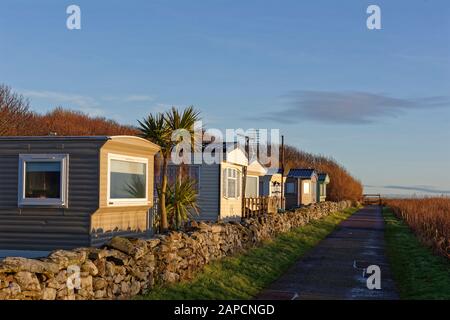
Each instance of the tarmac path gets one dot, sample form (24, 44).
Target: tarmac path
(335, 268)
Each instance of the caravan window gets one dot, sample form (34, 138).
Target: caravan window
(231, 179)
(306, 187)
(128, 180)
(43, 179)
(290, 188)
(251, 187)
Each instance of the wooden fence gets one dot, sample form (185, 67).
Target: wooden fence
(261, 205)
(372, 199)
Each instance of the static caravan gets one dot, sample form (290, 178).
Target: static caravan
(270, 184)
(322, 180)
(61, 192)
(255, 171)
(219, 182)
(300, 187)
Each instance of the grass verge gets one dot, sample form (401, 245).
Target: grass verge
(245, 275)
(419, 273)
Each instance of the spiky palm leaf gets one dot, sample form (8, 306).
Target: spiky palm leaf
(181, 202)
(159, 129)
(155, 129)
(182, 121)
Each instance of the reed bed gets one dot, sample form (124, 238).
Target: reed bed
(429, 218)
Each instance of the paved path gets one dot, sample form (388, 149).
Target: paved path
(334, 268)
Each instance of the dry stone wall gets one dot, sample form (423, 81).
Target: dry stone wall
(127, 267)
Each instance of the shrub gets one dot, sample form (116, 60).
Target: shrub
(16, 119)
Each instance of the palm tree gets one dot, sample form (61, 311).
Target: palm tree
(160, 129)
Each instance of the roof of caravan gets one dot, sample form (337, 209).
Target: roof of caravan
(323, 177)
(54, 138)
(302, 173)
(74, 138)
(256, 168)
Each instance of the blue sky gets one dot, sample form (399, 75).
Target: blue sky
(377, 101)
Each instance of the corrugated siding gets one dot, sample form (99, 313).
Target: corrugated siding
(49, 228)
(209, 191)
(208, 198)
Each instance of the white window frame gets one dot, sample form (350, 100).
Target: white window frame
(126, 202)
(225, 193)
(62, 202)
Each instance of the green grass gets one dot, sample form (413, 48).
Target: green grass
(419, 273)
(244, 275)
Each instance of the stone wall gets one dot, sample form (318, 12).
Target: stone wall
(127, 267)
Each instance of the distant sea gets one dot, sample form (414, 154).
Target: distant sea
(402, 194)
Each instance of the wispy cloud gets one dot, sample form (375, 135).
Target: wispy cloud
(83, 103)
(91, 105)
(416, 188)
(350, 107)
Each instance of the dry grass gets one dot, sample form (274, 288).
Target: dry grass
(429, 218)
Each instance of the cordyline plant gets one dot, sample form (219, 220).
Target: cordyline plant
(163, 129)
(181, 202)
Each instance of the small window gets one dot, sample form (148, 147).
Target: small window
(251, 187)
(43, 180)
(306, 187)
(231, 183)
(276, 188)
(290, 187)
(128, 180)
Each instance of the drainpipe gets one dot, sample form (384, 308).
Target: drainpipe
(244, 176)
